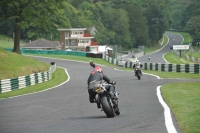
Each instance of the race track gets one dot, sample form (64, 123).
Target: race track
(66, 108)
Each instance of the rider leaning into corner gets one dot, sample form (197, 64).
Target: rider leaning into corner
(95, 77)
(91, 62)
(137, 63)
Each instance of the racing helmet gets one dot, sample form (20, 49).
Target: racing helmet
(98, 69)
(137, 61)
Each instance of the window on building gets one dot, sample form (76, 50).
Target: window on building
(77, 32)
(84, 41)
(67, 34)
(66, 42)
(73, 42)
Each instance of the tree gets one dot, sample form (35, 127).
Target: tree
(193, 27)
(192, 10)
(177, 10)
(138, 25)
(26, 13)
(117, 20)
(103, 35)
(157, 19)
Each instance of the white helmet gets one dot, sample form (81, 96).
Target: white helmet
(137, 61)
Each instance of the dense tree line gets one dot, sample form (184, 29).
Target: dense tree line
(186, 16)
(128, 23)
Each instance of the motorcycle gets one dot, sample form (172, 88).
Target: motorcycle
(105, 101)
(138, 72)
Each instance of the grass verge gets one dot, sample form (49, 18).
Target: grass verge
(59, 76)
(14, 65)
(175, 59)
(184, 100)
(8, 42)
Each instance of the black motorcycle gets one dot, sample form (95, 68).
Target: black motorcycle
(138, 72)
(105, 101)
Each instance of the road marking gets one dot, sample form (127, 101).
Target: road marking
(168, 119)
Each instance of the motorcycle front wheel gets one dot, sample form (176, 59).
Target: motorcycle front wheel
(106, 106)
(139, 76)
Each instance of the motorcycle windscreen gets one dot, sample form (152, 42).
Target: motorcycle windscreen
(93, 83)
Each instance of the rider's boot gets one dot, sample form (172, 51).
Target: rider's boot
(92, 100)
(98, 105)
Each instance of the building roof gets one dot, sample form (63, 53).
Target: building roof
(79, 37)
(42, 43)
(71, 29)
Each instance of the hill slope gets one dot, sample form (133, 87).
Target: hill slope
(14, 65)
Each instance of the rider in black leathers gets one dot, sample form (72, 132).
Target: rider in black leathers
(92, 64)
(97, 76)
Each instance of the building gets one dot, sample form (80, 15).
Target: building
(77, 39)
(42, 44)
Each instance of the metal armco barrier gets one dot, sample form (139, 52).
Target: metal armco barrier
(7, 85)
(183, 68)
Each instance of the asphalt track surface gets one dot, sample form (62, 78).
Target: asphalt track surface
(157, 57)
(66, 108)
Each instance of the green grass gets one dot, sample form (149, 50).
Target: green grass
(8, 42)
(14, 65)
(184, 100)
(175, 59)
(193, 53)
(59, 76)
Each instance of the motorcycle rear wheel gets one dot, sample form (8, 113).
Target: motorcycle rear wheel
(106, 106)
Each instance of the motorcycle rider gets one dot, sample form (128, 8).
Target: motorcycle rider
(97, 76)
(137, 63)
(92, 64)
